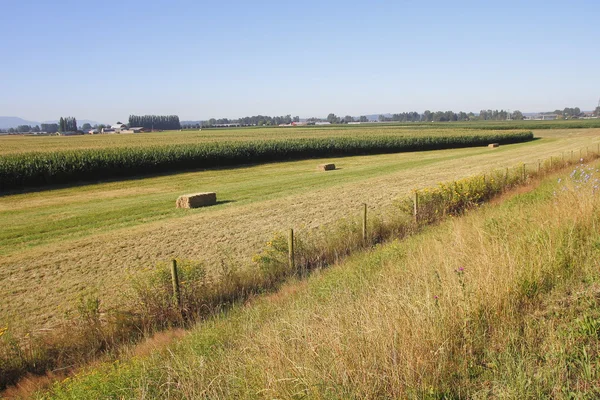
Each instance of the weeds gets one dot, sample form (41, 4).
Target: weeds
(95, 333)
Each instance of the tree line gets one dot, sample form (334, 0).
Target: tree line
(568, 112)
(448, 116)
(334, 119)
(265, 120)
(412, 116)
(67, 124)
(154, 122)
(255, 120)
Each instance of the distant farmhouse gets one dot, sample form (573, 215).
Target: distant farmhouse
(118, 127)
(542, 117)
(122, 128)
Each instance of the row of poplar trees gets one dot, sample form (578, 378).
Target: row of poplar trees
(161, 122)
(67, 124)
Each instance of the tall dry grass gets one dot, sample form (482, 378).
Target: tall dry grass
(94, 333)
(501, 303)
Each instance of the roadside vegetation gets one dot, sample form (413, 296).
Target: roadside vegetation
(502, 302)
(94, 332)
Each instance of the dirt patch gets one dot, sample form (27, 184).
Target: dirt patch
(158, 341)
(31, 384)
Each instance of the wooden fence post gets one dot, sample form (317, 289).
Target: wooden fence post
(551, 163)
(524, 173)
(416, 207)
(539, 166)
(175, 282)
(571, 155)
(364, 223)
(598, 151)
(291, 250)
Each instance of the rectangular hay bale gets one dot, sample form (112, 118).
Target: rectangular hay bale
(326, 167)
(196, 200)
(493, 145)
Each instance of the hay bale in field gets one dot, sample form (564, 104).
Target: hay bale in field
(493, 145)
(326, 167)
(196, 200)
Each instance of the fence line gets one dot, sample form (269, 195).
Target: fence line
(183, 301)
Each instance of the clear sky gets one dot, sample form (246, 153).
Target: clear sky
(104, 60)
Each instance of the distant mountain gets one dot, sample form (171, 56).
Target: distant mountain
(13, 122)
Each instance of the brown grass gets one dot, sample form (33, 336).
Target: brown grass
(157, 341)
(30, 384)
(478, 307)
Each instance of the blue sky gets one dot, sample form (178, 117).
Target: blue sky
(104, 60)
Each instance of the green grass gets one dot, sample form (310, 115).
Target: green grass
(500, 303)
(71, 216)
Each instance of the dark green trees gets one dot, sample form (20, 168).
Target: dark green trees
(67, 124)
(155, 122)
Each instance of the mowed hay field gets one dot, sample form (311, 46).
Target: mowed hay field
(57, 245)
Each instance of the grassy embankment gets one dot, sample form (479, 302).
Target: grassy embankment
(58, 245)
(503, 302)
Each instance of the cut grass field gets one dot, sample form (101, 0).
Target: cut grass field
(501, 303)
(58, 245)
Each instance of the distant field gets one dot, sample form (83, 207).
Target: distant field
(56, 245)
(11, 144)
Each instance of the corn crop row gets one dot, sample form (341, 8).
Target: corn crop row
(64, 167)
